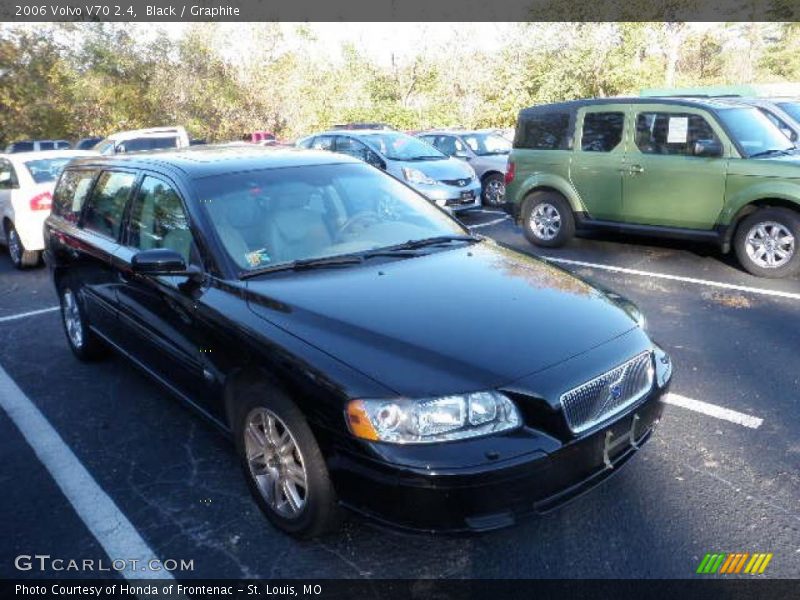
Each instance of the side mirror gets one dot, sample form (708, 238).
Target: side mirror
(162, 261)
(708, 148)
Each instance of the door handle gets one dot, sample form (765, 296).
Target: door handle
(634, 169)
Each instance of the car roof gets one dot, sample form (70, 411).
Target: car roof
(148, 132)
(203, 161)
(712, 104)
(357, 132)
(456, 131)
(42, 154)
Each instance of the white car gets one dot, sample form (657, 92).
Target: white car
(27, 180)
(138, 140)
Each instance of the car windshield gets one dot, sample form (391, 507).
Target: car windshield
(46, 169)
(271, 217)
(791, 108)
(754, 132)
(399, 146)
(487, 144)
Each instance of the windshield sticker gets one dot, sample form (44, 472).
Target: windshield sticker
(678, 130)
(257, 257)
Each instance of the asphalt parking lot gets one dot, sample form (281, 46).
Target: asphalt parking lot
(722, 473)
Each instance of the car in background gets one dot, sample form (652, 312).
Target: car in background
(364, 125)
(704, 169)
(87, 143)
(348, 362)
(256, 137)
(484, 150)
(140, 140)
(779, 116)
(37, 146)
(445, 181)
(26, 192)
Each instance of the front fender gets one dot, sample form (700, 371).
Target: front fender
(741, 193)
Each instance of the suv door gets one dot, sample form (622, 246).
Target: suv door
(598, 159)
(666, 182)
(160, 313)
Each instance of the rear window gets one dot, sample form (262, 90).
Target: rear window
(544, 131)
(602, 131)
(71, 192)
(147, 143)
(46, 170)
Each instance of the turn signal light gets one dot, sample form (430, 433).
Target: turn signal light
(358, 421)
(43, 201)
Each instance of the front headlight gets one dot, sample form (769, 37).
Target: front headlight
(426, 420)
(417, 176)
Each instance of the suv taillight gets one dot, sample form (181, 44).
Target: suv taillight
(510, 171)
(43, 201)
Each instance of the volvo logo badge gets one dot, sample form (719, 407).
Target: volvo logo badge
(615, 391)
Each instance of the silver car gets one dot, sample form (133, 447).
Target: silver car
(445, 181)
(485, 150)
(784, 113)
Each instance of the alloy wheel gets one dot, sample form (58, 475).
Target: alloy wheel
(276, 463)
(72, 319)
(770, 244)
(495, 192)
(545, 221)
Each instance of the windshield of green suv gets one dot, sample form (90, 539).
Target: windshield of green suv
(399, 146)
(754, 132)
(487, 144)
(270, 217)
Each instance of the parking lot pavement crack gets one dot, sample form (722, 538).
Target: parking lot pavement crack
(344, 559)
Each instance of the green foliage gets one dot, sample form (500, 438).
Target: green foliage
(72, 80)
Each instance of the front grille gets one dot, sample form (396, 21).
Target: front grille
(602, 397)
(457, 182)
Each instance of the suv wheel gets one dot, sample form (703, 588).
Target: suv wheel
(767, 242)
(547, 219)
(283, 464)
(494, 190)
(83, 342)
(16, 250)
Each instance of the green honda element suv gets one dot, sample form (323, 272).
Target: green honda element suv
(695, 169)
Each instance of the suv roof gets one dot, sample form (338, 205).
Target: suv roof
(204, 161)
(711, 104)
(149, 132)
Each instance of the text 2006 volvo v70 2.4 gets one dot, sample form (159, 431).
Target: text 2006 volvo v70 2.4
(361, 347)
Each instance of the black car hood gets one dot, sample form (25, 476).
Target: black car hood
(465, 319)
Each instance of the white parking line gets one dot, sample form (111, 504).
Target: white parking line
(494, 222)
(28, 314)
(110, 527)
(712, 410)
(718, 284)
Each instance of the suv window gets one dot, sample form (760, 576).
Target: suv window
(671, 133)
(158, 219)
(546, 131)
(104, 208)
(323, 142)
(21, 147)
(70, 193)
(602, 131)
(8, 177)
(47, 145)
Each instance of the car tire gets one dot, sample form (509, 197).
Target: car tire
(84, 343)
(767, 242)
(20, 257)
(303, 510)
(547, 219)
(493, 190)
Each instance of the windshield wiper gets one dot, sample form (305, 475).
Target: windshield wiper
(770, 152)
(432, 241)
(432, 157)
(306, 263)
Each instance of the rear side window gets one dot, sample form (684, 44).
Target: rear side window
(71, 192)
(104, 208)
(602, 131)
(671, 133)
(546, 131)
(147, 143)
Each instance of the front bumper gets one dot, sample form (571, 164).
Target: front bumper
(451, 196)
(490, 496)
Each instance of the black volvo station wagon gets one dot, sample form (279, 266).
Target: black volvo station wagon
(360, 346)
